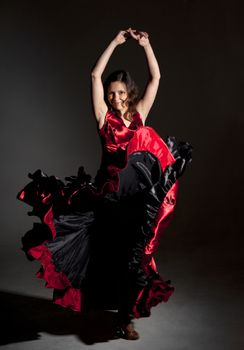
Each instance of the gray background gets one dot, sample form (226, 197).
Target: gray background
(47, 52)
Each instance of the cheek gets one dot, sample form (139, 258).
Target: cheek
(124, 97)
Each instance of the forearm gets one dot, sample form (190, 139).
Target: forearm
(103, 60)
(152, 62)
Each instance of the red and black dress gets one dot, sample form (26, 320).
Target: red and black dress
(96, 239)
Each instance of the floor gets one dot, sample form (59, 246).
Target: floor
(205, 312)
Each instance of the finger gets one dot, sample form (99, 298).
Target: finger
(127, 35)
(134, 35)
(145, 34)
(134, 31)
(129, 30)
(141, 35)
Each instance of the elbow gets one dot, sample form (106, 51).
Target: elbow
(155, 74)
(95, 74)
(156, 77)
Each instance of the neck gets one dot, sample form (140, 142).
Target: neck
(121, 113)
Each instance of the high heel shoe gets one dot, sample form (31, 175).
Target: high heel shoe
(128, 332)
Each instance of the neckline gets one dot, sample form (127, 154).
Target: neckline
(122, 121)
(125, 124)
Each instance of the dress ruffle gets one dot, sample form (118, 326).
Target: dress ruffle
(140, 198)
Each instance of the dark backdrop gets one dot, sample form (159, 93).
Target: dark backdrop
(47, 51)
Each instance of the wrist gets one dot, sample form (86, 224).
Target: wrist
(114, 43)
(146, 46)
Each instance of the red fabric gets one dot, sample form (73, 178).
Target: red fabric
(70, 297)
(48, 219)
(146, 139)
(114, 134)
(53, 278)
(163, 219)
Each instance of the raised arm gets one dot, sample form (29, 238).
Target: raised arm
(99, 105)
(145, 103)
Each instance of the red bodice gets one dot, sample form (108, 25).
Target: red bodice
(118, 141)
(115, 134)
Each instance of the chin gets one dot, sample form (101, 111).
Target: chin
(117, 108)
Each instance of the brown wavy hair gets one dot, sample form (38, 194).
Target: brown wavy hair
(132, 91)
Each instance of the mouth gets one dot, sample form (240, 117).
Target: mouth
(117, 103)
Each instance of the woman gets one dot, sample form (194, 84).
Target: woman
(96, 240)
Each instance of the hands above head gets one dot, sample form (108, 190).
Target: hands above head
(141, 37)
(124, 35)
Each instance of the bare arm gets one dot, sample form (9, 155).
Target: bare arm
(146, 102)
(99, 105)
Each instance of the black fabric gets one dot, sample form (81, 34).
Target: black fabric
(128, 216)
(71, 247)
(100, 239)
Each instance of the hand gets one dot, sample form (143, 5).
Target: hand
(122, 36)
(141, 37)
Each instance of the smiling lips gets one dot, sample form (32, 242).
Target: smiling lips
(118, 103)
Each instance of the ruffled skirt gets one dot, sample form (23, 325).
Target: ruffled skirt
(96, 242)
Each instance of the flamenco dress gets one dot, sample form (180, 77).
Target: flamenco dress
(96, 239)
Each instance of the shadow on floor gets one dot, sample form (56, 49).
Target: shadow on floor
(23, 318)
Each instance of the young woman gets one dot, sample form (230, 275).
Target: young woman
(96, 240)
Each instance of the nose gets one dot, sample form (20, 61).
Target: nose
(116, 97)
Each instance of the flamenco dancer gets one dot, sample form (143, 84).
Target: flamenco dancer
(96, 239)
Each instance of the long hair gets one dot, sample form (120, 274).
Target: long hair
(132, 91)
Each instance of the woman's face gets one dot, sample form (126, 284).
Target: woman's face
(117, 95)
